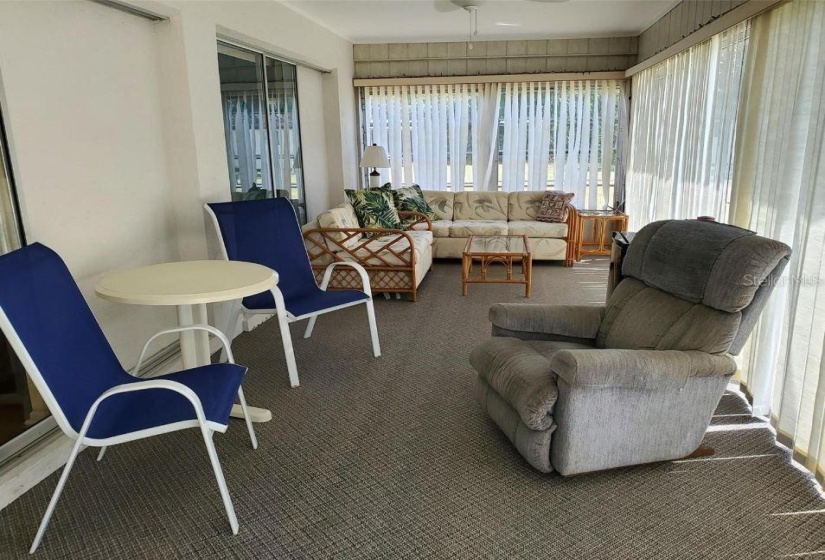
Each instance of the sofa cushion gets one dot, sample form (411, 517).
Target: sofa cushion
(441, 203)
(524, 205)
(441, 228)
(463, 228)
(375, 208)
(342, 216)
(480, 206)
(386, 245)
(532, 228)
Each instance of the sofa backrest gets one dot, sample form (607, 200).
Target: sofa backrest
(485, 205)
(691, 285)
(441, 202)
(524, 205)
(480, 206)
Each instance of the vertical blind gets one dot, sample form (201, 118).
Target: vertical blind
(683, 131)
(566, 132)
(779, 191)
(246, 139)
(430, 130)
(508, 136)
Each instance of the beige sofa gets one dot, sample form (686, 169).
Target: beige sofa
(497, 213)
(397, 261)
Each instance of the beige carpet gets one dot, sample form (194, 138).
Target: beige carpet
(392, 458)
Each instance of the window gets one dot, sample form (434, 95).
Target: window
(506, 136)
(684, 130)
(261, 124)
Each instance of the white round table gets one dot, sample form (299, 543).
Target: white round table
(189, 286)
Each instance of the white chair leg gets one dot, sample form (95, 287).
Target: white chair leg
(216, 466)
(376, 345)
(53, 502)
(102, 453)
(289, 352)
(310, 326)
(248, 420)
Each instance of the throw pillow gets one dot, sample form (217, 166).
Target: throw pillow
(555, 207)
(374, 208)
(411, 199)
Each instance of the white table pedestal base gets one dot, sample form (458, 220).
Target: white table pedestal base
(255, 414)
(194, 349)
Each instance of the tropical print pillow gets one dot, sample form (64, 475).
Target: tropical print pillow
(555, 207)
(411, 199)
(374, 208)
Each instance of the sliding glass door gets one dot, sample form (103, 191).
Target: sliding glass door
(261, 124)
(21, 407)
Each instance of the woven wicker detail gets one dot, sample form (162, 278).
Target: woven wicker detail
(391, 267)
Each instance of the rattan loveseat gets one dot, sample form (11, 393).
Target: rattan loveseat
(396, 261)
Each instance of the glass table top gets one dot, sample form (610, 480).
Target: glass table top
(486, 244)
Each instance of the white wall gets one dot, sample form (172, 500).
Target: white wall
(314, 148)
(83, 111)
(116, 130)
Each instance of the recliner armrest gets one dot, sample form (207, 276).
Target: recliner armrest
(570, 321)
(637, 369)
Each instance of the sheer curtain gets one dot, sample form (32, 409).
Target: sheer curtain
(563, 131)
(564, 134)
(683, 129)
(246, 139)
(485, 116)
(430, 131)
(779, 191)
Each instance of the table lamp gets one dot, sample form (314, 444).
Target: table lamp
(375, 156)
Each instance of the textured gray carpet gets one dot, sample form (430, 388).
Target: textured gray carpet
(391, 458)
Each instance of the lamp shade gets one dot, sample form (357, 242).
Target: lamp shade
(375, 156)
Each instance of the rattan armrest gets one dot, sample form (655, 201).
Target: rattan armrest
(330, 242)
(422, 219)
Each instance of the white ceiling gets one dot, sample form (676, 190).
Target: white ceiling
(400, 21)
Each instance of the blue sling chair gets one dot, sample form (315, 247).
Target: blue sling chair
(92, 398)
(266, 232)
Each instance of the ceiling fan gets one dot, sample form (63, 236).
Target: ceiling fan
(471, 7)
(452, 5)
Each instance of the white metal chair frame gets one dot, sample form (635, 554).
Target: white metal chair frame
(207, 427)
(285, 317)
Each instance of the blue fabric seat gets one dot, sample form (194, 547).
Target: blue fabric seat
(58, 340)
(266, 232)
(216, 386)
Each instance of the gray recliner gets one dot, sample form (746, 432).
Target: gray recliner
(580, 389)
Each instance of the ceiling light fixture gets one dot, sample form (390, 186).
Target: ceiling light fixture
(507, 24)
(473, 11)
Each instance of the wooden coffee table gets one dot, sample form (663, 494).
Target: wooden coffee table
(507, 250)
